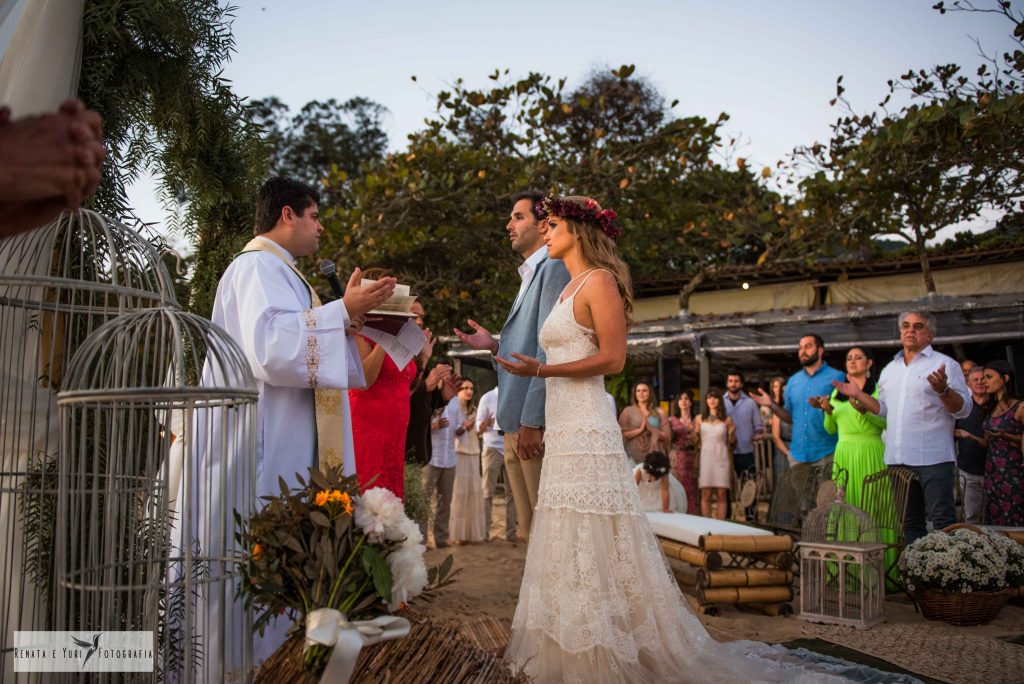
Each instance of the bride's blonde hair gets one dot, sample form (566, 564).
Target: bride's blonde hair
(598, 248)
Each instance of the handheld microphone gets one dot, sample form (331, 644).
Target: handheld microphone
(328, 271)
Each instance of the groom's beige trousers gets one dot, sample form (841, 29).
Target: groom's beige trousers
(524, 479)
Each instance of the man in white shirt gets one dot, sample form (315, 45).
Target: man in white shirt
(921, 393)
(441, 469)
(493, 459)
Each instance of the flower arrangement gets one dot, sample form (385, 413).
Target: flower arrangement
(588, 211)
(963, 561)
(325, 545)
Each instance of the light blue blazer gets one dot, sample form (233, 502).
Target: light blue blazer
(521, 399)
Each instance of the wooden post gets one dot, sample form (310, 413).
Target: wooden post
(784, 560)
(744, 594)
(701, 609)
(691, 554)
(750, 543)
(686, 575)
(739, 577)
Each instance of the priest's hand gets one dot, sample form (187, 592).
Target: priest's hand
(360, 299)
(481, 338)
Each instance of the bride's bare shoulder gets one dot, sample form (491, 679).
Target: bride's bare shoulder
(600, 284)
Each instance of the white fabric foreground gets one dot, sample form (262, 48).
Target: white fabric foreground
(40, 53)
(688, 529)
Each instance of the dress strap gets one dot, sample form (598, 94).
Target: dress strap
(579, 287)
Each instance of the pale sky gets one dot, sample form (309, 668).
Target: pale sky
(771, 66)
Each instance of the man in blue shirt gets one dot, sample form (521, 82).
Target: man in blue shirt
(811, 443)
(749, 427)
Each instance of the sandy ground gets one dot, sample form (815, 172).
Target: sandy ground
(488, 586)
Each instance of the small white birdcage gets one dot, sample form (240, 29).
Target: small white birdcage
(58, 283)
(842, 566)
(157, 455)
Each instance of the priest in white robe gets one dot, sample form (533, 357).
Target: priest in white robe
(303, 358)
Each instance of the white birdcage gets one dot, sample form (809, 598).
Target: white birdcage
(58, 283)
(842, 565)
(145, 518)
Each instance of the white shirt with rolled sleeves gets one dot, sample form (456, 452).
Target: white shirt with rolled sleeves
(442, 440)
(488, 408)
(920, 429)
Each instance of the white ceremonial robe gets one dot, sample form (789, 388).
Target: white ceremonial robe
(265, 308)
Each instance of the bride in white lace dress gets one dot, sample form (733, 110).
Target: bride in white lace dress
(598, 602)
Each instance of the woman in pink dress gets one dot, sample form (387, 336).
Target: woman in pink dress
(683, 455)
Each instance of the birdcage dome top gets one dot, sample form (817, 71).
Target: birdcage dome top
(161, 356)
(839, 522)
(85, 262)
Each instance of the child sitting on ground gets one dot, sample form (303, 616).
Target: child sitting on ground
(659, 489)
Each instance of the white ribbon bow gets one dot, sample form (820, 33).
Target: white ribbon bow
(330, 627)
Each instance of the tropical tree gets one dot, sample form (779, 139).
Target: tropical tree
(435, 212)
(322, 139)
(952, 152)
(153, 70)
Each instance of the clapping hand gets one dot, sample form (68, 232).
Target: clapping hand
(822, 402)
(428, 347)
(938, 380)
(437, 375)
(850, 389)
(360, 299)
(481, 338)
(762, 398)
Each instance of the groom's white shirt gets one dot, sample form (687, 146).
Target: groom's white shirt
(526, 270)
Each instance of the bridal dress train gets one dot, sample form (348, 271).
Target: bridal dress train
(598, 602)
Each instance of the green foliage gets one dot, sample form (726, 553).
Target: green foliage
(417, 507)
(952, 152)
(435, 213)
(322, 139)
(153, 70)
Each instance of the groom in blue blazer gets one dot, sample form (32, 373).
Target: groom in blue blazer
(520, 411)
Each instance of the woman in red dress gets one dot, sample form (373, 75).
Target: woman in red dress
(380, 418)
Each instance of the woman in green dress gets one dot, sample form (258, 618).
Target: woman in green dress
(860, 451)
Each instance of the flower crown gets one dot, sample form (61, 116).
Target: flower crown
(587, 212)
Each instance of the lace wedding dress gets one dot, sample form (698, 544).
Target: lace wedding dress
(598, 602)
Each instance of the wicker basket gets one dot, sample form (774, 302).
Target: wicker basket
(956, 608)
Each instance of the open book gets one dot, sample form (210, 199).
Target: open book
(392, 326)
(398, 304)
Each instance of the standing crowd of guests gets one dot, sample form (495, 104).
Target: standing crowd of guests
(958, 429)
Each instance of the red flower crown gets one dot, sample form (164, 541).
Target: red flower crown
(587, 212)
